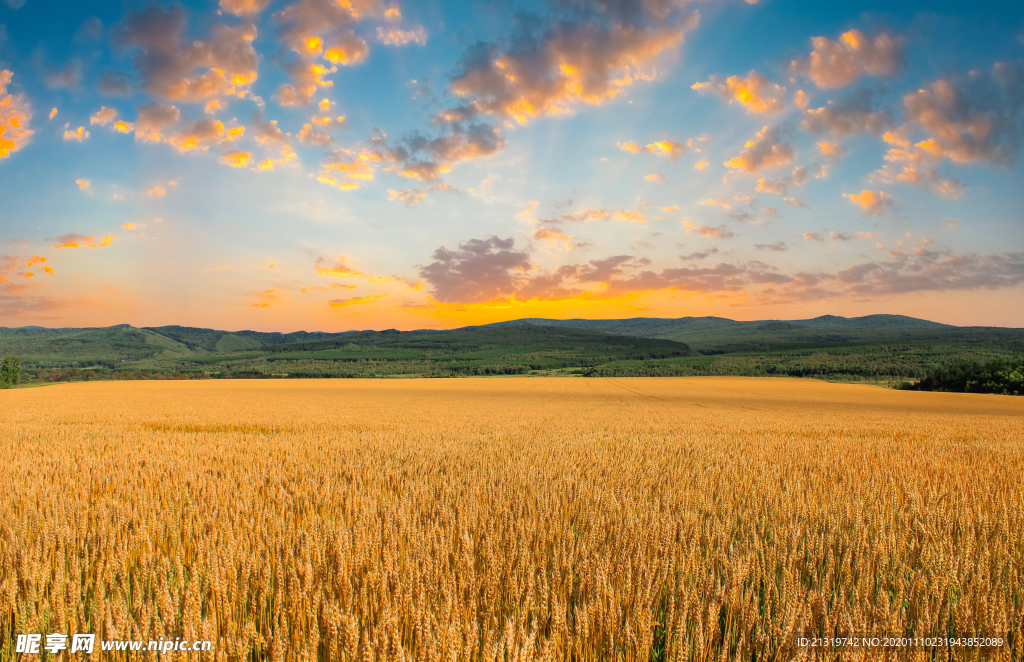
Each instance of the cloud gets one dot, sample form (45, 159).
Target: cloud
(200, 134)
(103, 116)
(778, 246)
(314, 136)
(267, 132)
(847, 117)
(72, 240)
(341, 269)
(609, 214)
(83, 184)
(835, 64)
(668, 148)
(780, 187)
(425, 159)
(338, 303)
(67, 77)
(700, 165)
(773, 186)
(920, 166)
(79, 134)
(655, 177)
(153, 119)
(547, 71)
(15, 115)
(699, 255)
(754, 92)
(307, 24)
(968, 120)
(172, 69)
(394, 37)
(844, 236)
(114, 84)
(411, 197)
(767, 150)
(813, 236)
(478, 270)
(243, 7)
(719, 232)
(923, 270)
(156, 192)
(344, 164)
(556, 237)
(831, 151)
(315, 29)
(236, 158)
(872, 203)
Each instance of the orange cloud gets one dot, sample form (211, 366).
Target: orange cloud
(410, 197)
(664, 147)
(754, 92)
(76, 240)
(15, 114)
(344, 164)
(871, 202)
(831, 151)
(719, 232)
(313, 136)
(348, 49)
(153, 119)
(338, 303)
(129, 226)
(655, 177)
(341, 269)
(700, 165)
(78, 134)
(200, 134)
(83, 184)
(53, 113)
(554, 236)
(333, 181)
(601, 215)
(156, 192)
(193, 70)
(236, 159)
(574, 63)
(835, 64)
(767, 150)
(244, 7)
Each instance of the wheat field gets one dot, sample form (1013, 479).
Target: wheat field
(511, 519)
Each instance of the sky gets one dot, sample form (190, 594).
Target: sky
(281, 165)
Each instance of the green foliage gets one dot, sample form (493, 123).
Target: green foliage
(10, 371)
(1001, 377)
(878, 348)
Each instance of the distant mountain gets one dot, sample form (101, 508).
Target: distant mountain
(889, 347)
(659, 325)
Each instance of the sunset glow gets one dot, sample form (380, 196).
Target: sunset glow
(445, 165)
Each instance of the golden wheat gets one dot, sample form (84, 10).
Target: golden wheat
(511, 519)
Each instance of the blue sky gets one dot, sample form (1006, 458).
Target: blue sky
(592, 158)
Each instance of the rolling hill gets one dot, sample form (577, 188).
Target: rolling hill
(879, 348)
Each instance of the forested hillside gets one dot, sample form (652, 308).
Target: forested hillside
(884, 349)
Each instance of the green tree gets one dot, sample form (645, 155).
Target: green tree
(10, 372)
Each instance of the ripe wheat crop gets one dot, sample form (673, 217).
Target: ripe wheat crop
(511, 519)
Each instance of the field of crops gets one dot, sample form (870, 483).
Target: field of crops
(511, 519)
